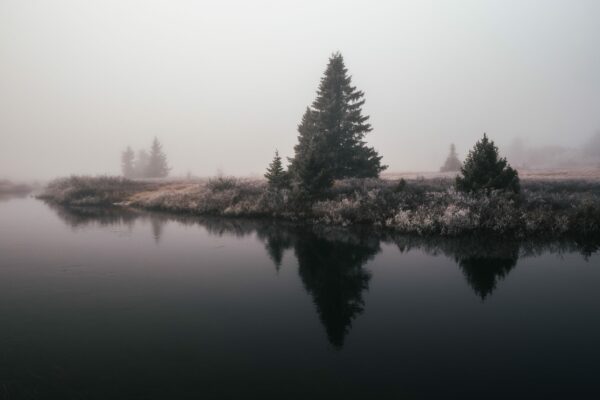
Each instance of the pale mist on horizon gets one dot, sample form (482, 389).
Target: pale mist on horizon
(222, 84)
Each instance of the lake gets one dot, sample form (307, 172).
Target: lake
(122, 304)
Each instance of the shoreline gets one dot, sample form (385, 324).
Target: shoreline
(427, 207)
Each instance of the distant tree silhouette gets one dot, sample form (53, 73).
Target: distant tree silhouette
(140, 166)
(127, 159)
(276, 176)
(331, 142)
(452, 163)
(592, 148)
(484, 170)
(157, 161)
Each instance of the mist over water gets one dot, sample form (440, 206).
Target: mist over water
(222, 84)
(422, 218)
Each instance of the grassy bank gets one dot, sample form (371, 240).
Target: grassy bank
(421, 206)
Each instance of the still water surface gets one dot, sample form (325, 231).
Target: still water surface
(101, 304)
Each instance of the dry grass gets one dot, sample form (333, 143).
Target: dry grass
(554, 208)
(583, 173)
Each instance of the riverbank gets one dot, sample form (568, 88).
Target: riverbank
(422, 206)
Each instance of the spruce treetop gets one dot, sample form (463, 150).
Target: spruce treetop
(331, 136)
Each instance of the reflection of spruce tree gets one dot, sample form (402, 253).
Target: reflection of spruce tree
(332, 273)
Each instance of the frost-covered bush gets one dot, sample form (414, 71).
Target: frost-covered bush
(425, 207)
(86, 190)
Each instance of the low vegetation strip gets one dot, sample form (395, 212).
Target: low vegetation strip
(422, 206)
(7, 187)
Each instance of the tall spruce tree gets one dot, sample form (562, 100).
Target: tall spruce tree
(310, 169)
(276, 175)
(332, 132)
(157, 161)
(484, 170)
(127, 159)
(452, 163)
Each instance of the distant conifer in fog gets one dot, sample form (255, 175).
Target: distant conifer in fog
(140, 166)
(127, 159)
(452, 163)
(157, 161)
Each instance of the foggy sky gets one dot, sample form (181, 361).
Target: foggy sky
(224, 83)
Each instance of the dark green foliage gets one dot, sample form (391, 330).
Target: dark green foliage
(157, 162)
(485, 171)
(400, 186)
(127, 158)
(310, 166)
(276, 176)
(452, 163)
(331, 135)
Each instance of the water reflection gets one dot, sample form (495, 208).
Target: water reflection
(331, 261)
(486, 263)
(277, 240)
(332, 272)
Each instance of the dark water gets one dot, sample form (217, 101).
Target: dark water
(100, 304)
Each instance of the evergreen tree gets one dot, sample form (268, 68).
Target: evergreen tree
(338, 109)
(331, 142)
(127, 159)
(157, 162)
(140, 166)
(484, 170)
(309, 168)
(276, 175)
(452, 163)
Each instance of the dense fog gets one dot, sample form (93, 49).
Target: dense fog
(222, 84)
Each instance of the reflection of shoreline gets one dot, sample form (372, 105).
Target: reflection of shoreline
(331, 260)
(11, 196)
